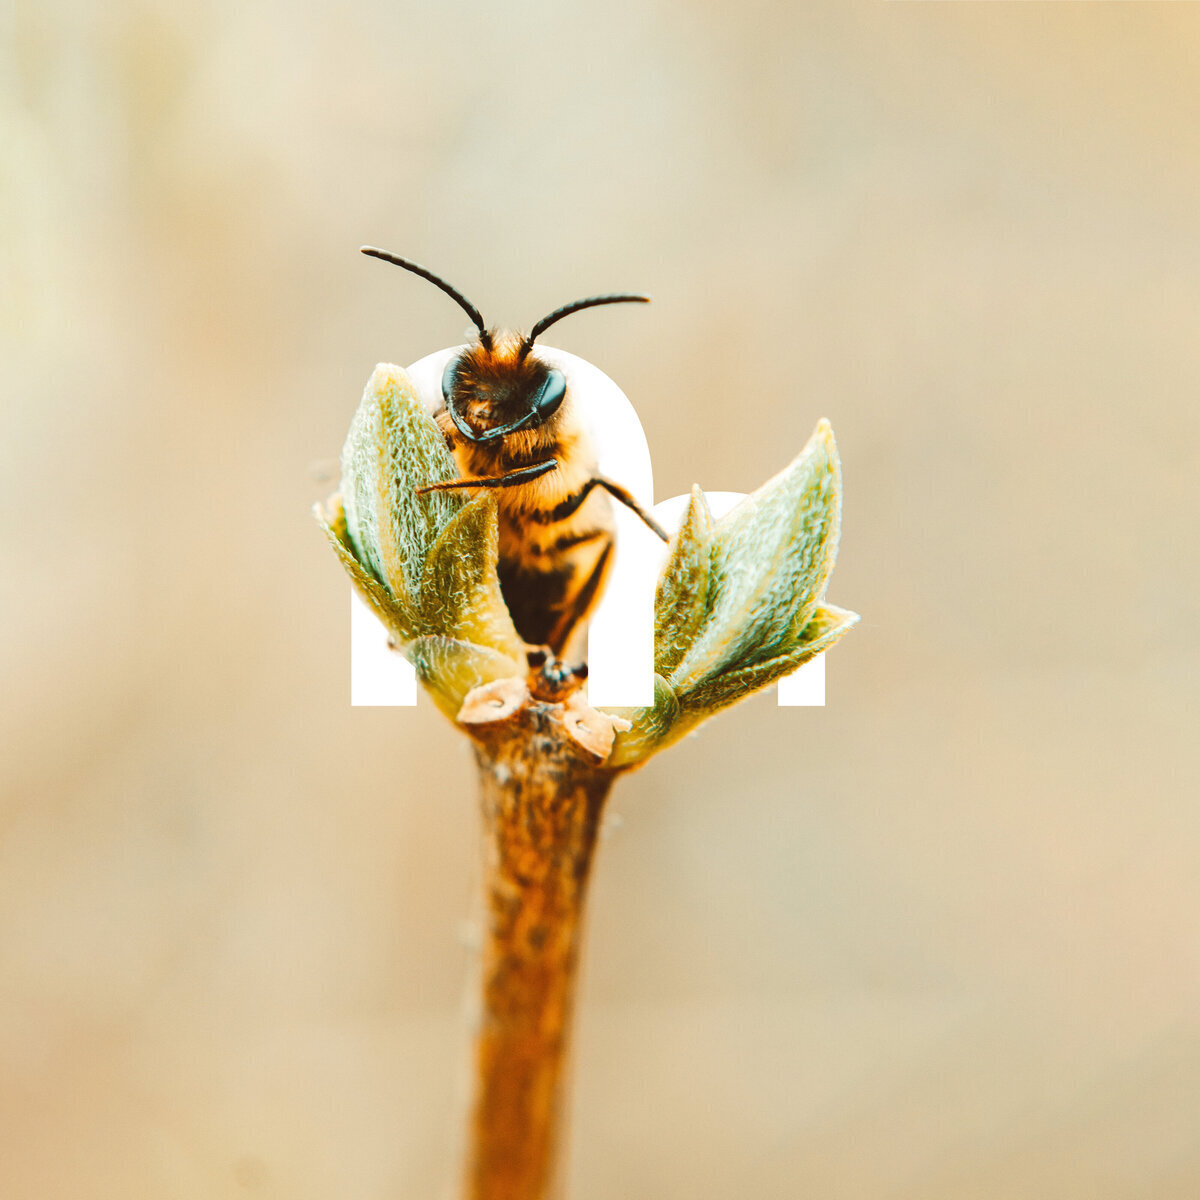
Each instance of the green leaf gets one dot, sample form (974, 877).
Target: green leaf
(460, 592)
(651, 724)
(680, 598)
(658, 726)
(426, 564)
(828, 624)
(393, 448)
(738, 604)
(769, 563)
(450, 668)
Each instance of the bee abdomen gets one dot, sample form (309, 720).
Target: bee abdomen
(564, 543)
(549, 594)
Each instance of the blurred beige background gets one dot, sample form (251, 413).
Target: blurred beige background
(941, 939)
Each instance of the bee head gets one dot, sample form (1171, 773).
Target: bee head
(495, 389)
(496, 386)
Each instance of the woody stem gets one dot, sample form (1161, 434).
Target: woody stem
(542, 799)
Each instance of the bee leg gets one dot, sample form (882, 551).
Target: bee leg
(615, 490)
(572, 504)
(512, 479)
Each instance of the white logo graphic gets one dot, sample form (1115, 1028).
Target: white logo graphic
(621, 635)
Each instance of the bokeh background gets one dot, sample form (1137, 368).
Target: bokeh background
(938, 940)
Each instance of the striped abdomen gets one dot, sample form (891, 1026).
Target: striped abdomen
(556, 531)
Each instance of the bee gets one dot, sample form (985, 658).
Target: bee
(511, 422)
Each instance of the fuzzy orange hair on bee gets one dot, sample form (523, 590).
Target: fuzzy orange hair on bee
(510, 419)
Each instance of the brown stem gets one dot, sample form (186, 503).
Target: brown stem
(542, 800)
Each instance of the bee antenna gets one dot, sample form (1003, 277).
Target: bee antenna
(574, 307)
(425, 273)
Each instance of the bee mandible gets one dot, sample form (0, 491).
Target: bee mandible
(510, 420)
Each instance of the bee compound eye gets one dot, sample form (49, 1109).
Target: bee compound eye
(448, 377)
(551, 394)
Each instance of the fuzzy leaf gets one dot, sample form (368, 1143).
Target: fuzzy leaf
(770, 561)
(828, 624)
(671, 717)
(680, 598)
(392, 449)
(450, 668)
(426, 564)
(460, 591)
(738, 604)
(650, 725)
